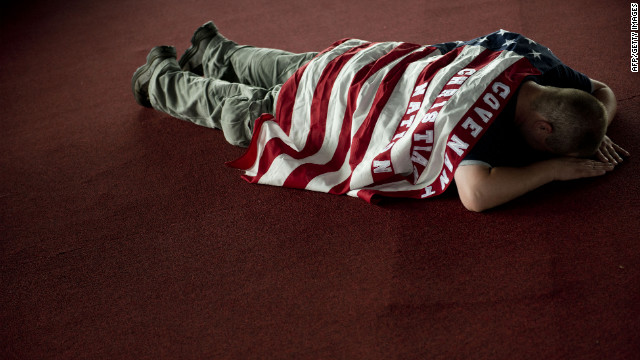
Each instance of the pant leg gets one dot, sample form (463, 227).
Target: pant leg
(267, 67)
(208, 102)
(261, 67)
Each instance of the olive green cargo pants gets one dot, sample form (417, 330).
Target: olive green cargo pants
(240, 83)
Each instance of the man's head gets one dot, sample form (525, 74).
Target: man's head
(566, 121)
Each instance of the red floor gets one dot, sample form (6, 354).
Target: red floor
(124, 236)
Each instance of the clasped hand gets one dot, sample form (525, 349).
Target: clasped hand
(568, 168)
(610, 152)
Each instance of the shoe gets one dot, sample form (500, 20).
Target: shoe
(191, 60)
(142, 76)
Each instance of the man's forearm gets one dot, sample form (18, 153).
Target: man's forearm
(481, 188)
(508, 183)
(499, 185)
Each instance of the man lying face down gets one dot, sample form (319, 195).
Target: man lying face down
(500, 114)
(567, 125)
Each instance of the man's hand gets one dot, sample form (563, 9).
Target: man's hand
(609, 152)
(570, 168)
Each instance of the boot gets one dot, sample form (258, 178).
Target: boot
(142, 76)
(191, 60)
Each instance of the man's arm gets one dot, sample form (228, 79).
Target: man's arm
(481, 187)
(606, 96)
(608, 151)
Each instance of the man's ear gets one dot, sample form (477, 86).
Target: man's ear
(543, 127)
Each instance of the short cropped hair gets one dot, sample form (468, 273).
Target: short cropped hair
(579, 120)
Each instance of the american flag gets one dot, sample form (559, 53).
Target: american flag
(388, 118)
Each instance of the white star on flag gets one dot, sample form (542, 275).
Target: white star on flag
(508, 42)
(535, 54)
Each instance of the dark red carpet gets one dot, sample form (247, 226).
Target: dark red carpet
(124, 236)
